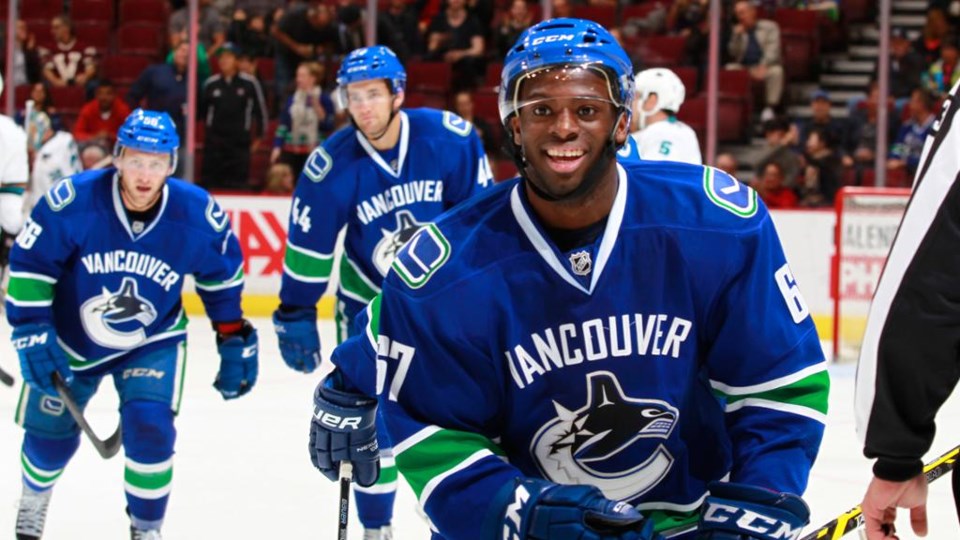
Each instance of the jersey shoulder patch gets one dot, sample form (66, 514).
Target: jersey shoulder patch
(726, 192)
(422, 256)
(61, 194)
(456, 124)
(318, 165)
(216, 217)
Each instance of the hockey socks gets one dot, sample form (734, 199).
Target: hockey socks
(43, 459)
(148, 437)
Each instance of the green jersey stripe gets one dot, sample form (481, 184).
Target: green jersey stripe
(354, 284)
(25, 289)
(306, 263)
(427, 462)
(810, 392)
(233, 281)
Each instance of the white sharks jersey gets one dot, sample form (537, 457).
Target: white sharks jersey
(57, 158)
(669, 140)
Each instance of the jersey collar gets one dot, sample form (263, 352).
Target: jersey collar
(122, 214)
(378, 159)
(551, 255)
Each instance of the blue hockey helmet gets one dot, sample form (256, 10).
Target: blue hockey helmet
(566, 42)
(149, 131)
(368, 63)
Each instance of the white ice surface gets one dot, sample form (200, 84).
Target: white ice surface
(241, 469)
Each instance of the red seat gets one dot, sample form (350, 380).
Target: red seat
(123, 70)
(637, 11)
(95, 34)
(20, 96)
(492, 77)
(259, 165)
(799, 22)
(856, 11)
(40, 28)
(605, 16)
(144, 39)
(694, 113)
(665, 51)
(267, 70)
(92, 10)
(68, 99)
(689, 76)
(503, 169)
(41, 9)
(143, 11)
(733, 119)
(799, 54)
(414, 99)
(429, 77)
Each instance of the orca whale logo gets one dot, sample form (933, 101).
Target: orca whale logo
(387, 248)
(579, 446)
(117, 319)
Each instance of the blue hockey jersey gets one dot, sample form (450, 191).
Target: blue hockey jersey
(439, 162)
(110, 286)
(674, 351)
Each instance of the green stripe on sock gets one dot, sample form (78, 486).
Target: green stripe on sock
(148, 481)
(36, 475)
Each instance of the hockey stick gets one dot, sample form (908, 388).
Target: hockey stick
(6, 378)
(106, 448)
(346, 475)
(853, 518)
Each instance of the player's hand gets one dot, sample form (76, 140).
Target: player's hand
(344, 429)
(535, 509)
(238, 347)
(40, 356)
(882, 499)
(773, 514)
(297, 334)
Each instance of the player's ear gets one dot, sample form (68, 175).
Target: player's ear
(623, 129)
(398, 100)
(515, 129)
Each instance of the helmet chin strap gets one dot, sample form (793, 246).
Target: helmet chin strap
(591, 178)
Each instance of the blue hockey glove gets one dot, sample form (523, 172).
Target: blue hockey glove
(533, 509)
(40, 356)
(344, 429)
(238, 348)
(297, 333)
(744, 512)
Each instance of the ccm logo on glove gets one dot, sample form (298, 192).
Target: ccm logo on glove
(30, 341)
(750, 521)
(335, 421)
(511, 525)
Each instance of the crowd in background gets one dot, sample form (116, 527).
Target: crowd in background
(266, 70)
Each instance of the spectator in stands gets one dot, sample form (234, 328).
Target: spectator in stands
(231, 104)
(755, 45)
(69, 62)
(513, 23)
(464, 107)
(349, 29)
(455, 36)
(203, 58)
(256, 8)
(280, 180)
(779, 152)
(101, 117)
(163, 87)
(95, 156)
(907, 147)
(562, 8)
(821, 115)
(397, 29)
(823, 173)
(42, 103)
(906, 66)
(727, 163)
(942, 74)
(303, 33)
(26, 56)
(935, 29)
(305, 120)
(863, 122)
(772, 188)
(212, 31)
(249, 33)
(688, 18)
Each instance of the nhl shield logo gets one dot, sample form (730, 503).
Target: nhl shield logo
(580, 263)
